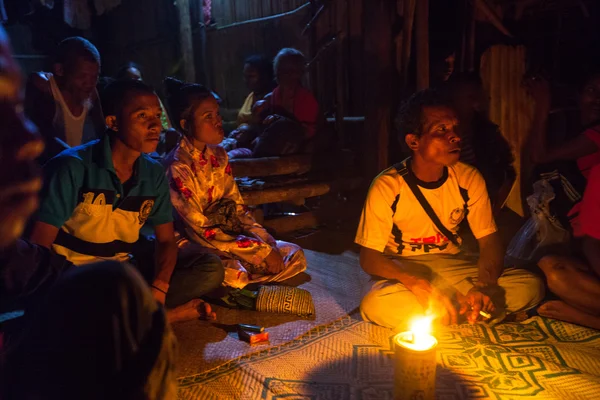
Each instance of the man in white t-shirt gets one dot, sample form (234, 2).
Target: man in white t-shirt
(416, 269)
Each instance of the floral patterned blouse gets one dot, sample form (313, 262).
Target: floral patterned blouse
(200, 178)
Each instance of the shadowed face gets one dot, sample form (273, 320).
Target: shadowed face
(252, 78)
(138, 126)
(438, 143)
(80, 78)
(289, 72)
(589, 102)
(19, 147)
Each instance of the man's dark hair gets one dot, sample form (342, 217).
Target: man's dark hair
(409, 118)
(117, 93)
(123, 70)
(262, 64)
(183, 98)
(74, 48)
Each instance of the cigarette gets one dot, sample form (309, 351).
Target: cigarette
(485, 315)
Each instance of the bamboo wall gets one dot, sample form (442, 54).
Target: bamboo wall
(226, 12)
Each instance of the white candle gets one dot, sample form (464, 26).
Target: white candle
(415, 362)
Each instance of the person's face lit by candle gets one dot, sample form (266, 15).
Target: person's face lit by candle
(20, 145)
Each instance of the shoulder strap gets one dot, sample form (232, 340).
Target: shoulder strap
(403, 171)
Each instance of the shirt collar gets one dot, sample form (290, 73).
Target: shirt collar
(195, 154)
(103, 158)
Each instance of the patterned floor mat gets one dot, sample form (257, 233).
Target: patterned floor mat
(351, 359)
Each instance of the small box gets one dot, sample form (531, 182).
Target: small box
(253, 337)
(250, 328)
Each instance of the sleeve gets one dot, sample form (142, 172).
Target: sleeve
(589, 215)
(162, 212)
(480, 215)
(63, 177)
(376, 220)
(188, 205)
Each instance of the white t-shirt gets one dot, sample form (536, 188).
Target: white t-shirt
(394, 222)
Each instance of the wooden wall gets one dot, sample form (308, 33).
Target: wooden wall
(226, 12)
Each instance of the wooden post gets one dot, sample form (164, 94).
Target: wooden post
(379, 91)
(407, 30)
(341, 67)
(185, 40)
(422, 42)
(471, 47)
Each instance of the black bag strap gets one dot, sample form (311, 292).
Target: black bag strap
(408, 178)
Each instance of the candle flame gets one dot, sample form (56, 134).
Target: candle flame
(421, 326)
(419, 337)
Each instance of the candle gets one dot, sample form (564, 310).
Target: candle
(415, 362)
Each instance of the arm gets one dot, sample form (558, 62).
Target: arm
(491, 259)
(43, 234)
(166, 254)
(540, 153)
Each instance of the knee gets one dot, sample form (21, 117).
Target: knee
(214, 270)
(525, 292)
(390, 311)
(558, 270)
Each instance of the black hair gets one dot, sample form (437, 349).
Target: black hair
(73, 48)
(409, 118)
(122, 72)
(115, 94)
(588, 75)
(182, 98)
(262, 64)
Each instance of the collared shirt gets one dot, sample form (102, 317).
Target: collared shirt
(98, 216)
(199, 180)
(394, 222)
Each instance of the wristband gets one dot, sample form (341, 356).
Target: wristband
(161, 286)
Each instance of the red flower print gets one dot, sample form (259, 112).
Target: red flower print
(245, 242)
(228, 169)
(178, 185)
(210, 234)
(214, 162)
(202, 161)
(210, 194)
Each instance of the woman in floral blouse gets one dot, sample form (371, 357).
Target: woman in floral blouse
(210, 208)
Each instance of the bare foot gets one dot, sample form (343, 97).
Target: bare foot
(195, 309)
(558, 309)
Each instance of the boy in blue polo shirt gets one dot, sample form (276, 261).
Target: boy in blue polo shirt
(98, 196)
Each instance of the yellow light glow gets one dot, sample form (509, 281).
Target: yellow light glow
(419, 337)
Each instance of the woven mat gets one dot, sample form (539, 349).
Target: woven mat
(335, 283)
(352, 359)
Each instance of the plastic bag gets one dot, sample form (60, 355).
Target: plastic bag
(541, 232)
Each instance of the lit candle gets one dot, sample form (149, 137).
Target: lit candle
(414, 376)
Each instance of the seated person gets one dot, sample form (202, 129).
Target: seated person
(98, 335)
(258, 75)
(585, 147)
(482, 143)
(577, 282)
(289, 114)
(211, 212)
(416, 268)
(97, 197)
(64, 104)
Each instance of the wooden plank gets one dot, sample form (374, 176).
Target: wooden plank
(185, 40)
(286, 193)
(407, 30)
(291, 223)
(271, 166)
(422, 43)
(379, 90)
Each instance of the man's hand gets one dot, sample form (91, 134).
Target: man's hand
(274, 262)
(434, 300)
(474, 302)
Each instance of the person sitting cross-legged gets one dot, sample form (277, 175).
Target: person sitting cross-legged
(415, 267)
(98, 196)
(576, 281)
